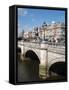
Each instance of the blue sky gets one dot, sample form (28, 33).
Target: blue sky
(29, 18)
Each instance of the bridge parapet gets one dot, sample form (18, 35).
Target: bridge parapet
(33, 45)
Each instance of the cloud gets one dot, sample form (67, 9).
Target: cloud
(22, 12)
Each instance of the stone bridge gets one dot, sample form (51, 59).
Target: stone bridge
(48, 55)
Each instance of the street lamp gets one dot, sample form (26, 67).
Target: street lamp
(44, 33)
(23, 35)
(44, 27)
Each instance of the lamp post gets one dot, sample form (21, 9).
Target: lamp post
(44, 33)
(36, 32)
(44, 27)
(23, 35)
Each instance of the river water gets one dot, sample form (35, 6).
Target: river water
(29, 71)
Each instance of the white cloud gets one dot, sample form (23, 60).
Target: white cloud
(53, 22)
(22, 12)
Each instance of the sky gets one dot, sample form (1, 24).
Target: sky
(30, 18)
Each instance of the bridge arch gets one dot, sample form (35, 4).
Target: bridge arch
(56, 60)
(32, 55)
(18, 49)
(33, 63)
(18, 52)
(58, 68)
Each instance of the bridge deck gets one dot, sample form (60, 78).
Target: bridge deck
(49, 48)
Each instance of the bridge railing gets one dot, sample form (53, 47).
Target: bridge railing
(30, 44)
(50, 48)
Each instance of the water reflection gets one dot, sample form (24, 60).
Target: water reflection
(28, 70)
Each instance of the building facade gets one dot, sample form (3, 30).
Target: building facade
(54, 32)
